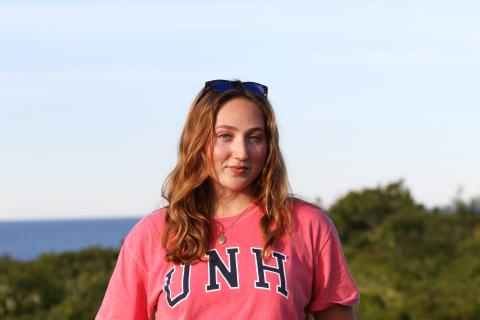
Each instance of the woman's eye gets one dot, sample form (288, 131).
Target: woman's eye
(224, 136)
(256, 139)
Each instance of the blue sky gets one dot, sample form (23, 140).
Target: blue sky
(93, 96)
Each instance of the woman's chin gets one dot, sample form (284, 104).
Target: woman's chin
(233, 188)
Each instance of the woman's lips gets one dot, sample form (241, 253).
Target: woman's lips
(238, 169)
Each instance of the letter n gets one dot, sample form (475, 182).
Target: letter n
(215, 263)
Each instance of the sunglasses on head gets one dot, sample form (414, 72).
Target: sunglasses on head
(225, 85)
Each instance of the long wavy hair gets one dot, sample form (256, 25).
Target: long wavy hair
(189, 191)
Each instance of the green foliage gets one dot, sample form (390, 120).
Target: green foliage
(408, 262)
(361, 211)
(55, 286)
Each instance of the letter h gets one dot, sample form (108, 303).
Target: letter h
(279, 270)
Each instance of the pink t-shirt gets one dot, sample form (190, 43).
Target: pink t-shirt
(306, 272)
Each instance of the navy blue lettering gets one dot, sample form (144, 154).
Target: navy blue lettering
(215, 263)
(279, 270)
(185, 286)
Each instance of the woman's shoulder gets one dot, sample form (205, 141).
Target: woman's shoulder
(155, 219)
(307, 214)
(308, 210)
(148, 227)
(143, 241)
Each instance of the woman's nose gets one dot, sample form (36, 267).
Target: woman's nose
(240, 149)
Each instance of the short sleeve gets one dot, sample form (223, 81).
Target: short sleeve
(333, 283)
(126, 295)
(129, 293)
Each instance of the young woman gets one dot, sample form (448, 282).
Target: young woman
(232, 243)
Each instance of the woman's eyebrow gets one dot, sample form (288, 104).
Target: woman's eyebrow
(224, 126)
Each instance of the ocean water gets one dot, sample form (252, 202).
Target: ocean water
(26, 240)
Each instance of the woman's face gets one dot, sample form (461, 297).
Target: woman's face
(239, 147)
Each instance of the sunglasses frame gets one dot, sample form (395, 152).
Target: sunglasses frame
(211, 85)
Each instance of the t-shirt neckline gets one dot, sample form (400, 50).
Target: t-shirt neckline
(248, 211)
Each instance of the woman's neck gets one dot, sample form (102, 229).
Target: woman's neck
(227, 205)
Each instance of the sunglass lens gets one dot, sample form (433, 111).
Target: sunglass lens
(220, 85)
(255, 88)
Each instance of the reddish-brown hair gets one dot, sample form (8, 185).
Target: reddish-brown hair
(188, 189)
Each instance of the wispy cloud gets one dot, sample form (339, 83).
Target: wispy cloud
(97, 75)
(403, 57)
(368, 19)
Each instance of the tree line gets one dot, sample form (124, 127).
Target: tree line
(408, 261)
